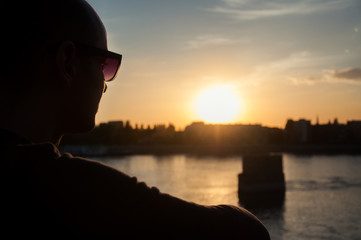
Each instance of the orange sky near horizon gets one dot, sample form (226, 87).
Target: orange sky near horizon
(280, 60)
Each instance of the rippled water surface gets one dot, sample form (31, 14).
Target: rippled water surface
(323, 196)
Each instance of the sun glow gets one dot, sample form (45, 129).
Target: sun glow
(218, 104)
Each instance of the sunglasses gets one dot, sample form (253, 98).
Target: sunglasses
(110, 60)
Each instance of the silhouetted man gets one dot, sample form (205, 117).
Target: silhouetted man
(56, 67)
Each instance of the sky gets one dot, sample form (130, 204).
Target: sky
(279, 59)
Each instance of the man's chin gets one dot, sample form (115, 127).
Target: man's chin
(86, 127)
(81, 126)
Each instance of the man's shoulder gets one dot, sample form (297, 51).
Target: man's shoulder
(65, 170)
(87, 167)
(48, 154)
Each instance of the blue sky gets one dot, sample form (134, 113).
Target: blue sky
(284, 59)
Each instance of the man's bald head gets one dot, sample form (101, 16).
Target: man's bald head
(32, 25)
(50, 85)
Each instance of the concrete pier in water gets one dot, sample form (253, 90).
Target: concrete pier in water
(262, 182)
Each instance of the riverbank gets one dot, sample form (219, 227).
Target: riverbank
(118, 150)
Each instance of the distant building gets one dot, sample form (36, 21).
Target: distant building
(116, 123)
(297, 131)
(199, 132)
(354, 130)
(301, 131)
(354, 124)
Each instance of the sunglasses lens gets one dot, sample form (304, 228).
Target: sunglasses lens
(110, 68)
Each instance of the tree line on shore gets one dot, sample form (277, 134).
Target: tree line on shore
(198, 133)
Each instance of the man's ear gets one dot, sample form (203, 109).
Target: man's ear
(66, 63)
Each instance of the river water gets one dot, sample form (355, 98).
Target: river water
(323, 193)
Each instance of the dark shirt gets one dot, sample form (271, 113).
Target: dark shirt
(49, 195)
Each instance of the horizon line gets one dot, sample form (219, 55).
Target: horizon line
(335, 121)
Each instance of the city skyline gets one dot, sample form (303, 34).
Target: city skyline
(297, 136)
(280, 59)
(313, 122)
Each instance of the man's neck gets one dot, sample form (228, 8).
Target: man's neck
(34, 130)
(35, 135)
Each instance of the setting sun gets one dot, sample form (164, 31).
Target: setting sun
(218, 104)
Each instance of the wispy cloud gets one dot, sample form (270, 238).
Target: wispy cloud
(308, 68)
(352, 74)
(297, 62)
(206, 41)
(257, 9)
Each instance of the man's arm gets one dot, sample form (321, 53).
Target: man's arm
(108, 201)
